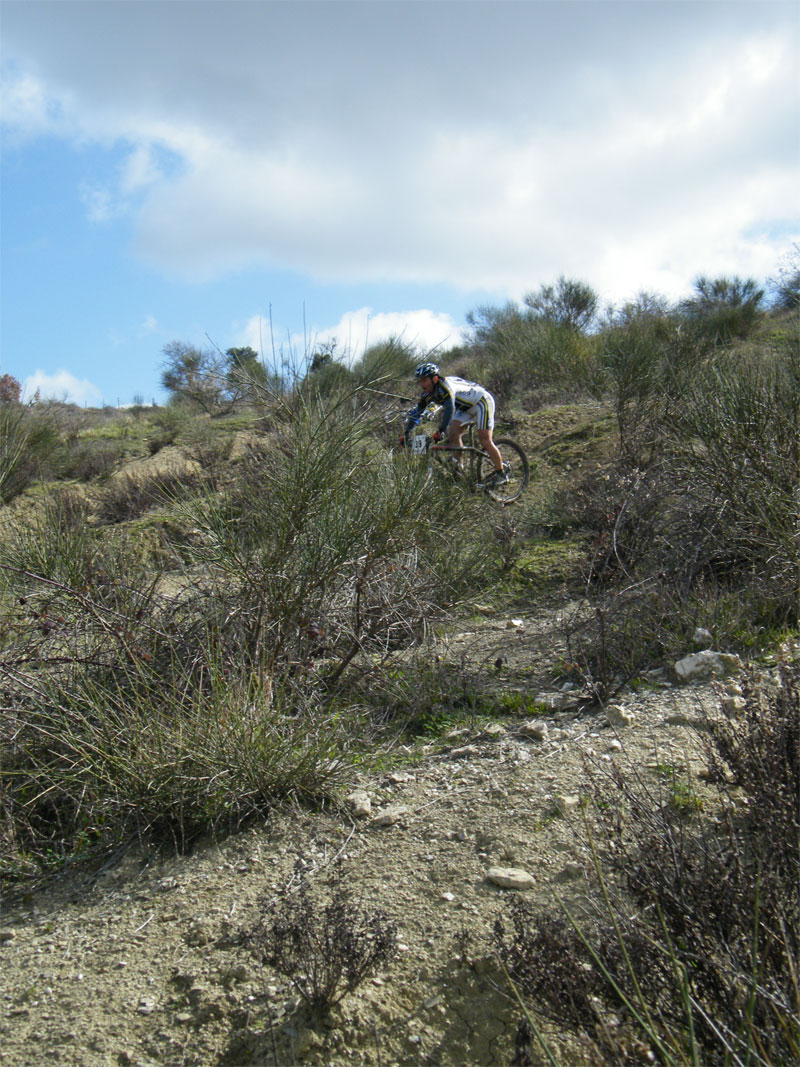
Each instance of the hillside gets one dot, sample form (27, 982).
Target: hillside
(252, 657)
(142, 962)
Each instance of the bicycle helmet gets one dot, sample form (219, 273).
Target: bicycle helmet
(426, 370)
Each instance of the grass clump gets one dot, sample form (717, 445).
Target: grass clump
(175, 702)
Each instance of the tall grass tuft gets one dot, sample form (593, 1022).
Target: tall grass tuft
(29, 446)
(137, 700)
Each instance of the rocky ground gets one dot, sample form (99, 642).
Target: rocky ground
(144, 963)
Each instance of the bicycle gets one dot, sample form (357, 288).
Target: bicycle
(469, 465)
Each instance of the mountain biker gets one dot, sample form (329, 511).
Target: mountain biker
(462, 403)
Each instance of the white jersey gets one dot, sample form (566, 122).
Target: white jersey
(465, 394)
(459, 399)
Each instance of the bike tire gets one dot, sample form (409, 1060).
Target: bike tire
(515, 463)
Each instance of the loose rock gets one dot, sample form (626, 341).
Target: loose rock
(619, 715)
(510, 878)
(707, 664)
(389, 816)
(360, 804)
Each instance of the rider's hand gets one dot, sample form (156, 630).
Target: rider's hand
(402, 442)
(437, 435)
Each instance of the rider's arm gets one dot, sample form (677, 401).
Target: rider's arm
(416, 414)
(447, 414)
(443, 394)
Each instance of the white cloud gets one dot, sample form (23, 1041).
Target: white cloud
(140, 169)
(622, 144)
(670, 178)
(62, 385)
(29, 109)
(423, 330)
(100, 203)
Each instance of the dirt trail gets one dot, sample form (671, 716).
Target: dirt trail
(145, 965)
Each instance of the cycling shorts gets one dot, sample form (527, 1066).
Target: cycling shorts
(481, 413)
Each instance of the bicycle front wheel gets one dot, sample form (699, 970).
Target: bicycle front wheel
(515, 464)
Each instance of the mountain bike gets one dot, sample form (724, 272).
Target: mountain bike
(469, 465)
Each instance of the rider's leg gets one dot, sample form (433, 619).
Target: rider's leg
(485, 438)
(454, 432)
(455, 439)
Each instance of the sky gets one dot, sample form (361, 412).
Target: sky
(283, 174)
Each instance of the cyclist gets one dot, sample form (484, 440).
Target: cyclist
(462, 403)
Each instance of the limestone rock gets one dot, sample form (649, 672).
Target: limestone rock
(733, 706)
(564, 802)
(619, 715)
(537, 731)
(701, 666)
(465, 752)
(359, 802)
(510, 877)
(389, 816)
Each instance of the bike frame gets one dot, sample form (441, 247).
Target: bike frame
(437, 452)
(474, 465)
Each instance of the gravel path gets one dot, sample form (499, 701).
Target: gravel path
(146, 966)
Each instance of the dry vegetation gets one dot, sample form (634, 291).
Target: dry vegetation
(206, 612)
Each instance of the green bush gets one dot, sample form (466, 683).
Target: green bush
(176, 706)
(29, 448)
(321, 530)
(514, 351)
(697, 523)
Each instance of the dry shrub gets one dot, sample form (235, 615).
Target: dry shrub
(694, 958)
(326, 949)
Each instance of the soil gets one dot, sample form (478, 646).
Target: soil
(143, 963)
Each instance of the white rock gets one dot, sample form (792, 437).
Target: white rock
(702, 638)
(537, 731)
(389, 816)
(515, 624)
(733, 706)
(465, 752)
(510, 877)
(619, 715)
(565, 802)
(707, 664)
(360, 804)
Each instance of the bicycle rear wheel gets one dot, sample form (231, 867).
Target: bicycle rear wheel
(515, 464)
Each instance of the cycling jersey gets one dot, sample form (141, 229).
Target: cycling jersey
(458, 398)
